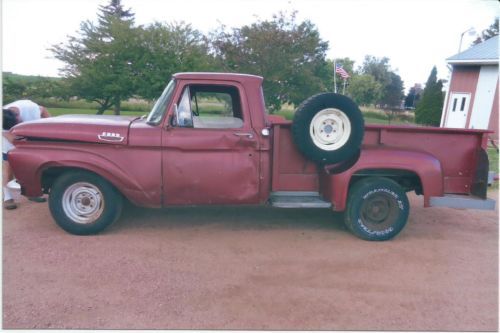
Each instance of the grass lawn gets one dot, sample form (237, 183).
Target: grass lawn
(369, 116)
(493, 158)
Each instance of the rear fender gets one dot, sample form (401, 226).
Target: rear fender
(425, 166)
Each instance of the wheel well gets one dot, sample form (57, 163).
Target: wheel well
(408, 180)
(50, 175)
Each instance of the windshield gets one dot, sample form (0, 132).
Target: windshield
(158, 110)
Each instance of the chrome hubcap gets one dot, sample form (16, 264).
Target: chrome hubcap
(83, 202)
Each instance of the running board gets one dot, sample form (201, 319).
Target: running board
(296, 199)
(462, 201)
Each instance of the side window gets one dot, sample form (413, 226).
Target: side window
(216, 106)
(209, 106)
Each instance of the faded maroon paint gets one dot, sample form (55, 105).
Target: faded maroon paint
(291, 171)
(84, 128)
(464, 80)
(134, 170)
(455, 149)
(161, 165)
(443, 158)
(215, 166)
(335, 187)
(493, 124)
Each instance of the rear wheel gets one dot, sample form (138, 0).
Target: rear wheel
(83, 203)
(377, 209)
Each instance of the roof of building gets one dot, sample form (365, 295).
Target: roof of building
(483, 53)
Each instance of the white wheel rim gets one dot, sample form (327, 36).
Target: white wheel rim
(83, 202)
(330, 129)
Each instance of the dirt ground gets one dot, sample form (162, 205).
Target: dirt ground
(251, 268)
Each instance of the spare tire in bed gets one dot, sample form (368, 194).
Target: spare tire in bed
(328, 128)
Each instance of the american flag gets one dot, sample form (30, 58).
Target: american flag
(343, 74)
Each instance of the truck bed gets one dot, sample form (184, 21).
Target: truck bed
(457, 152)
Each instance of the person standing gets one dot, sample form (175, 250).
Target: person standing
(9, 121)
(22, 111)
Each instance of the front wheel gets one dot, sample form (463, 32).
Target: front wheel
(377, 209)
(83, 203)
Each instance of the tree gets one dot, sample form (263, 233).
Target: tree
(101, 61)
(488, 33)
(413, 96)
(364, 89)
(167, 49)
(290, 56)
(391, 83)
(393, 92)
(378, 68)
(12, 90)
(32, 87)
(428, 111)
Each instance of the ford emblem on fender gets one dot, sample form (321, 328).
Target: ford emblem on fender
(110, 137)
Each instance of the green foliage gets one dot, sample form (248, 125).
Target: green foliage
(413, 96)
(378, 68)
(391, 93)
(290, 56)
(428, 111)
(165, 50)
(17, 87)
(364, 89)
(100, 63)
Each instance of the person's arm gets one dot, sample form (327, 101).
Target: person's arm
(8, 136)
(43, 112)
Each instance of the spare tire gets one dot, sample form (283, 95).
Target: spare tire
(328, 128)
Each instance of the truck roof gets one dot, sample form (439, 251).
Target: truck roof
(219, 76)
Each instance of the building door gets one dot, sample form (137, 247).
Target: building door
(458, 109)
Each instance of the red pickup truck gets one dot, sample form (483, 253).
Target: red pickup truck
(209, 141)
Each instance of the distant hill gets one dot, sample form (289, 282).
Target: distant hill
(27, 79)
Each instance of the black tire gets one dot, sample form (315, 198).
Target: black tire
(377, 209)
(82, 203)
(329, 152)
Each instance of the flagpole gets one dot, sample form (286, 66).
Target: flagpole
(343, 90)
(334, 75)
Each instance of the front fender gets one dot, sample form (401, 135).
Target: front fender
(134, 173)
(424, 165)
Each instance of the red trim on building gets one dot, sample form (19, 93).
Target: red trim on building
(493, 124)
(464, 80)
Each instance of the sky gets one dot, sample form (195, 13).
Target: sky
(414, 35)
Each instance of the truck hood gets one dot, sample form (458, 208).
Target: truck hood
(83, 128)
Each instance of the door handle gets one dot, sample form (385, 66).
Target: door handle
(241, 134)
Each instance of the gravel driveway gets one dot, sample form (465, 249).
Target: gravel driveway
(251, 268)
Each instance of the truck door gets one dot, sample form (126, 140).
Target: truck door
(210, 151)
